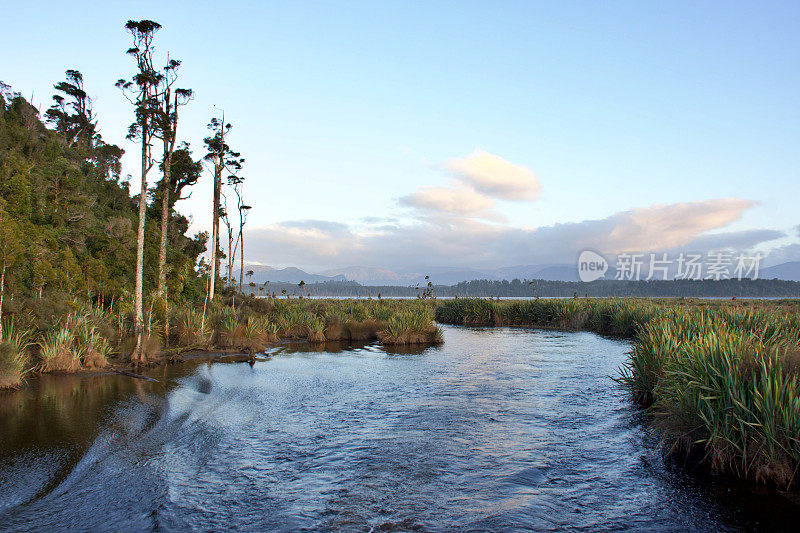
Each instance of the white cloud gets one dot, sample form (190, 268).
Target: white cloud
(459, 201)
(495, 177)
(480, 179)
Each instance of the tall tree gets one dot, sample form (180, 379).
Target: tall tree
(238, 186)
(222, 158)
(142, 92)
(71, 113)
(231, 255)
(167, 126)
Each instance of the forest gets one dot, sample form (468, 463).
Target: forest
(73, 237)
(90, 273)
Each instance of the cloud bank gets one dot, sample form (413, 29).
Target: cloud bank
(456, 225)
(452, 240)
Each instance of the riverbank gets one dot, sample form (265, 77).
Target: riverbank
(91, 337)
(496, 429)
(720, 378)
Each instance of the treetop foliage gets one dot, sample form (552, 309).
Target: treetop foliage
(66, 213)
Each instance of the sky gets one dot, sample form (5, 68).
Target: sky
(411, 135)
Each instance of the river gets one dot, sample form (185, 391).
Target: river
(497, 429)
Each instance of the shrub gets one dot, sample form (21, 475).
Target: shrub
(56, 351)
(13, 355)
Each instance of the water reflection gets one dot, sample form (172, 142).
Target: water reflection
(497, 429)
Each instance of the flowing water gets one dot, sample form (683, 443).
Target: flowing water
(498, 429)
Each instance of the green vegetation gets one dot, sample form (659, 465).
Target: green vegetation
(728, 379)
(707, 288)
(721, 378)
(623, 317)
(73, 237)
(726, 288)
(13, 356)
(88, 335)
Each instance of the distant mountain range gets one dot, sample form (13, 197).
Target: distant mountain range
(264, 273)
(369, 276)
(451, 276)
(787, 271)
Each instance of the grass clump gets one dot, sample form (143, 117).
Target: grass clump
(13, 355)
(413, 326)
(76, 345)
(607, 316)
(725, 381)
(56, 353)
(192, 329)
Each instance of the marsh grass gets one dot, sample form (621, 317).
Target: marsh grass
(344, 320)
(191, 330)
(14, 355)
(88, 336)
(55, 351)
(725, 380)
(607, 316)
(78, 343)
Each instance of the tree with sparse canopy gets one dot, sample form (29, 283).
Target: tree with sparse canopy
(222, 158)
(142, 92)
(166, 121)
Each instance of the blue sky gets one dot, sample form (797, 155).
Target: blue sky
(361, 122)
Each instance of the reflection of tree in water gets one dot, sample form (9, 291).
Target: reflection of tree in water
(55, 410)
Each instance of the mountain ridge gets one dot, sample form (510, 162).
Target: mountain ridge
(380, 276)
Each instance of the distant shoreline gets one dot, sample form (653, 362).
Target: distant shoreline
(758, 289)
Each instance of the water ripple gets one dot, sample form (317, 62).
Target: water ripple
(498, 429)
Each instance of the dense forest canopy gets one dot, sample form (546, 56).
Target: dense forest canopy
(68, 219)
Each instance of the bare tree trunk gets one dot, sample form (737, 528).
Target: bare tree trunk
(162, 250)
(241, 250)
(231, 256)
(215, 229)
(2, 294)
(138, 356)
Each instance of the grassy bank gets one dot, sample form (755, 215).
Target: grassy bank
(93, 337)
(721, 378)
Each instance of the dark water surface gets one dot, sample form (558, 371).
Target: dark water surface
(498, 429)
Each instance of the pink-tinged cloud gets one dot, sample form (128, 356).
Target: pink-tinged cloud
(494, 176)
(441, 239)
(459, 201)
(669, 226)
